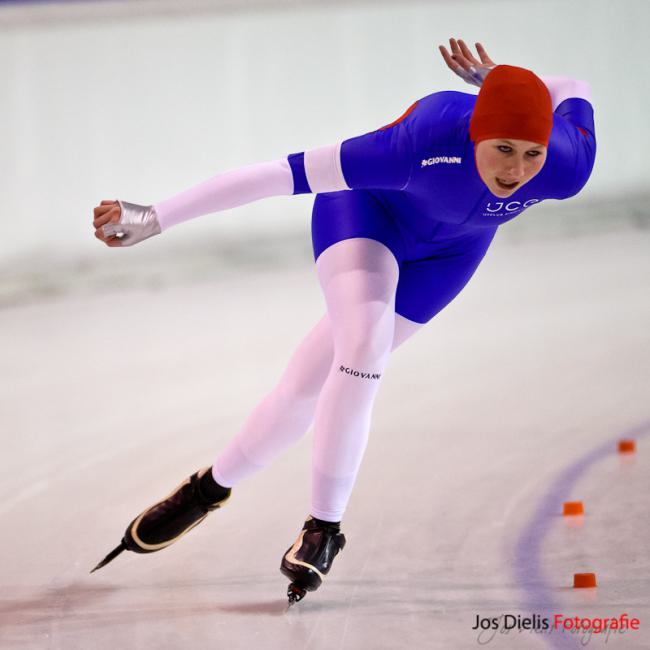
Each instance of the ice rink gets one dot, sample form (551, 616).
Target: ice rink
(507, 404)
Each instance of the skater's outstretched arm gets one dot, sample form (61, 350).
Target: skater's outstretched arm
(380, 159)
(221, 192)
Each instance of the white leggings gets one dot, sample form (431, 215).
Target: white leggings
(331, 380)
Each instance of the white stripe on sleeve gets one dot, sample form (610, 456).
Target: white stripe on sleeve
(323, 169)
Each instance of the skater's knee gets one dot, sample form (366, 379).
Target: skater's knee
(365, 340)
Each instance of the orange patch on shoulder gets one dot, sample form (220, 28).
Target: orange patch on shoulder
(409, 110)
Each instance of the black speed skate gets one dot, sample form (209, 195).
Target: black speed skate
(309, 560)
(165, 522)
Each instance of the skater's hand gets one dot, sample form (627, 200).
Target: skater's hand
(462, 62)
(107, 212)
(118, 223)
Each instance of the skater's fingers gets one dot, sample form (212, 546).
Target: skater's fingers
(107, 201)
(451, 64)
(108, 227)
(455, 48)
(467, 53)
(99, 233)
(104, 207)
(457, 54)
(101, 209)
(484, 55)
(112, 240)
(104, 219)
(459, 60)
(110, 216)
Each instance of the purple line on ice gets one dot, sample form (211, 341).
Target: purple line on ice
(538, 592)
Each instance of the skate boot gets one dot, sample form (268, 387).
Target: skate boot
(309, 560)
(167, 521)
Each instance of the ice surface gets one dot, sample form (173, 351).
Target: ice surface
(507, 404)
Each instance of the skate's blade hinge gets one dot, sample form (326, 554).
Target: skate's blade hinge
(111, 556)
(295, 594)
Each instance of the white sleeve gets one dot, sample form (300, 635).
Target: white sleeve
(227, 190)
(561, 88)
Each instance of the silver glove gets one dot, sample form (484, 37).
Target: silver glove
(137, 223)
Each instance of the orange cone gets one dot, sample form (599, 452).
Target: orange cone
(572, 508)
(626, 446)
(582, 580)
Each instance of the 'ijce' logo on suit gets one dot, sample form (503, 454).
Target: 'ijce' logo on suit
(501, 208)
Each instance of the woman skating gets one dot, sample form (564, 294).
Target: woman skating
(403, 216)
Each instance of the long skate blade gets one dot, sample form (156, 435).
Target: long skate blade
(111, 556)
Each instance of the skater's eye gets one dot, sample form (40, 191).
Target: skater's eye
(504, 148)
(534, 153)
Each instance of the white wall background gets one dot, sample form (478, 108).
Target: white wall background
(139, 100)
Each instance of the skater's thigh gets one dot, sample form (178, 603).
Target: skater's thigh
(427, 286)
(357, 271)
(339, 216)
(357, 247)
(359, 278)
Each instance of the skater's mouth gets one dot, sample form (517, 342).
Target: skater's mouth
(506, 186)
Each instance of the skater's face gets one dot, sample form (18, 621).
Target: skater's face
(503, 162)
